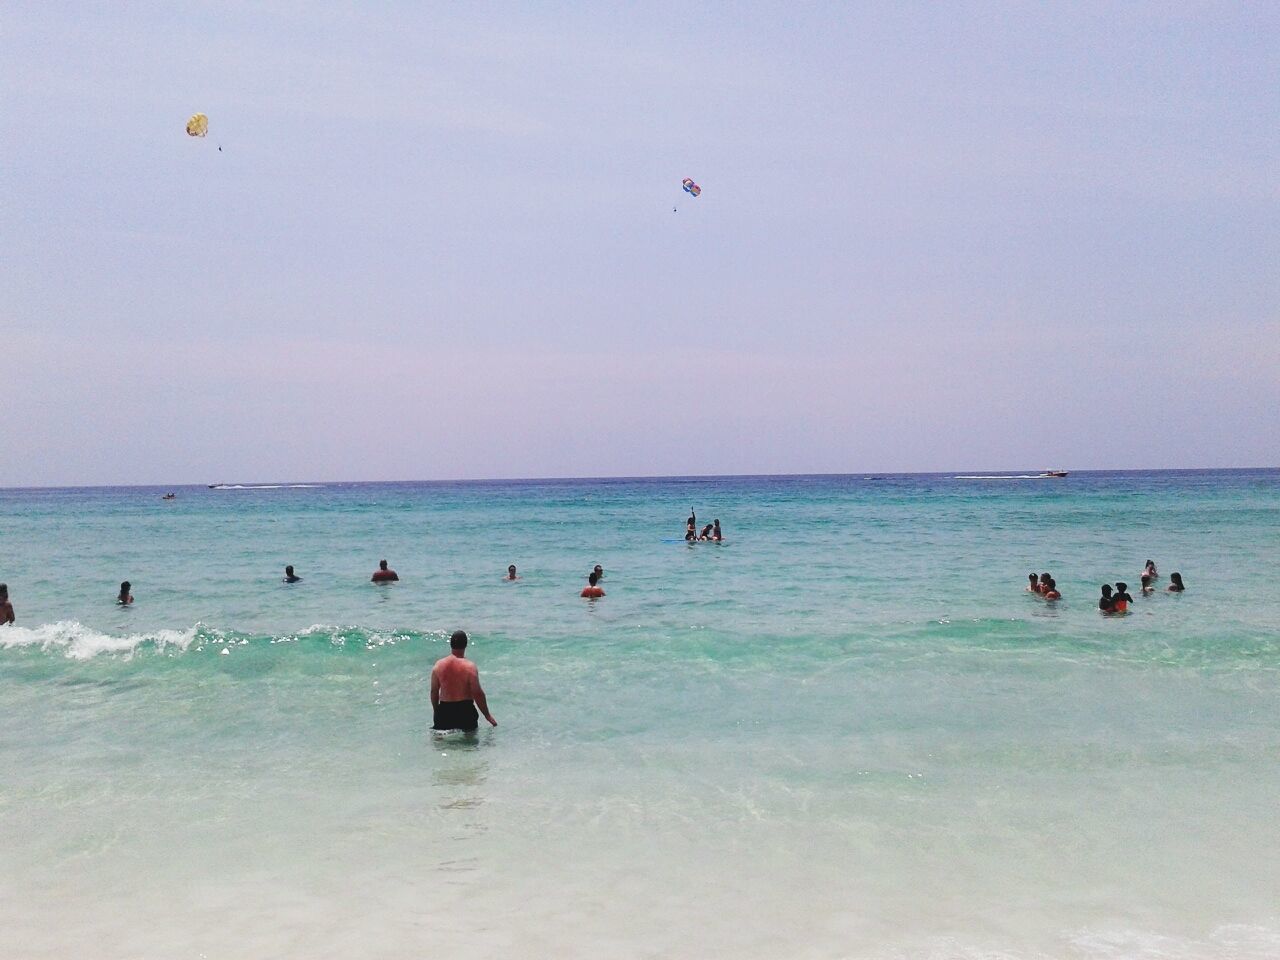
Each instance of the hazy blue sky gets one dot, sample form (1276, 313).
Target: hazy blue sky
(439, 239)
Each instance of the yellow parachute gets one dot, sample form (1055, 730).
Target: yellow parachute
(198, 125)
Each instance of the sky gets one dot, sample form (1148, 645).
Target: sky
(447, 240)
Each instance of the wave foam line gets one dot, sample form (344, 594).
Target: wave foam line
(79, 642)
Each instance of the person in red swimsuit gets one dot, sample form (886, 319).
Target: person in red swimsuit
(593, 591)
(383, 574)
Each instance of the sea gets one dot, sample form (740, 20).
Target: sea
(847, 731)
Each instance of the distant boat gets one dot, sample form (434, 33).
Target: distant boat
(1047, 475)
(170, 496)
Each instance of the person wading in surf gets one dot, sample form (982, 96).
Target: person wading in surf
(456, 691)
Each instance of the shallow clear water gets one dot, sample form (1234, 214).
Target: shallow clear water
(845, 732)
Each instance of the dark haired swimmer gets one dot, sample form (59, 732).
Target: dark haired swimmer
(706, 533)
(715, 532)
(456, 690)
(289, 576)
(1033, 585)
(383, 574)
(1052, 593)
(6, 608)
(598, 571)
(511, 573)
(1175, 585)
(1150, 570)
(1121, 598)
(1106, 604)
(124, 597)
(592, 591)
(1044, 582)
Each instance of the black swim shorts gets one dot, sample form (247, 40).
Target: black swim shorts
(456, 715)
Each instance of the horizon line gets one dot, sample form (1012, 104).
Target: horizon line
(620, 478)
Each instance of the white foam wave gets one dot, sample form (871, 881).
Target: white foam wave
(82, 643)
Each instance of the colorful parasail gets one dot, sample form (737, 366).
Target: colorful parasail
(691, 187)
(198, 125)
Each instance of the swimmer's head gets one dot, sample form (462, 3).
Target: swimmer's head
(1106, 589)
(4, 591)
(599, 570)
(1031, 577)
(382, 564)
(1176, 578)
(1121, 587)
(459, 640)
(125, 587)
(511, 569)
(1044, 578)
(288, 571)
(593, 579)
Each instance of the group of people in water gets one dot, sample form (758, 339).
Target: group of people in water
(711, 532)
(1114, 599)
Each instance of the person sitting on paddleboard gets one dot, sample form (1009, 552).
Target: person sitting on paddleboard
(706, 533)
(715, 532)
(691, 526)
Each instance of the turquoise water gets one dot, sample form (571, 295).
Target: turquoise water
(845, 732)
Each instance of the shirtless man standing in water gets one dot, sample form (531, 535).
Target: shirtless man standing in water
(455, 690)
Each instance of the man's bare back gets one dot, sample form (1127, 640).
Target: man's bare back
(455, 679)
